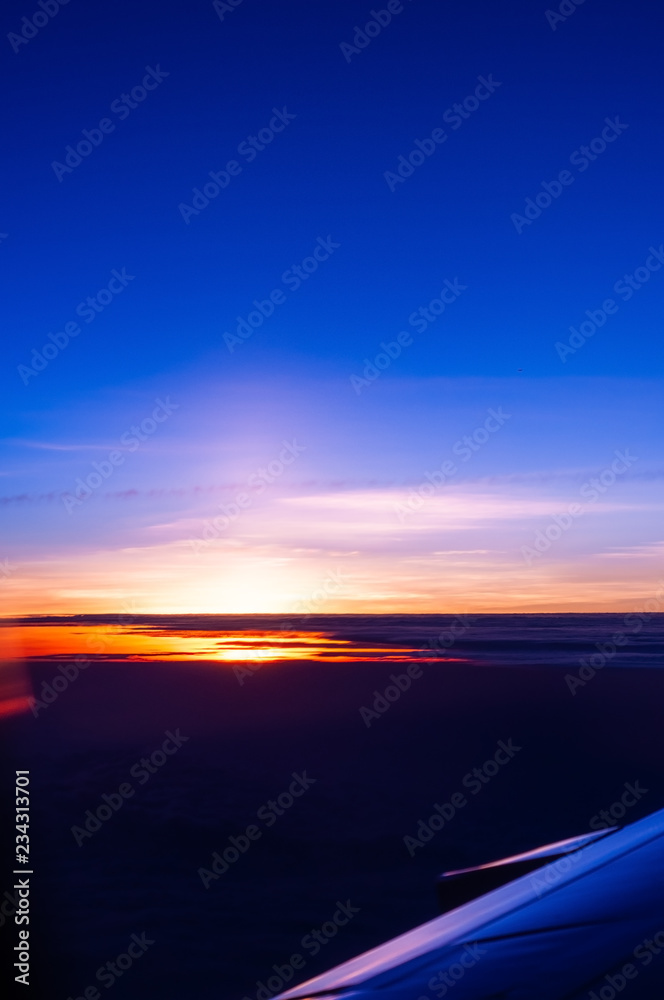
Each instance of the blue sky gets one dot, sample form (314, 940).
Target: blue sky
(346, 121)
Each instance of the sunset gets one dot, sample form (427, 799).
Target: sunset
(366, 515)
(332, 563)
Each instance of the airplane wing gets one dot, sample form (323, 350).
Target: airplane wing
(589, 924)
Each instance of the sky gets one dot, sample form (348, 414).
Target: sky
(334, 319)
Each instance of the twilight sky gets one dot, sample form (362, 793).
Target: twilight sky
(340, 373)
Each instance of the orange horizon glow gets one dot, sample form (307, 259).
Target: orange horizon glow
(103, 643)
(146, 643)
